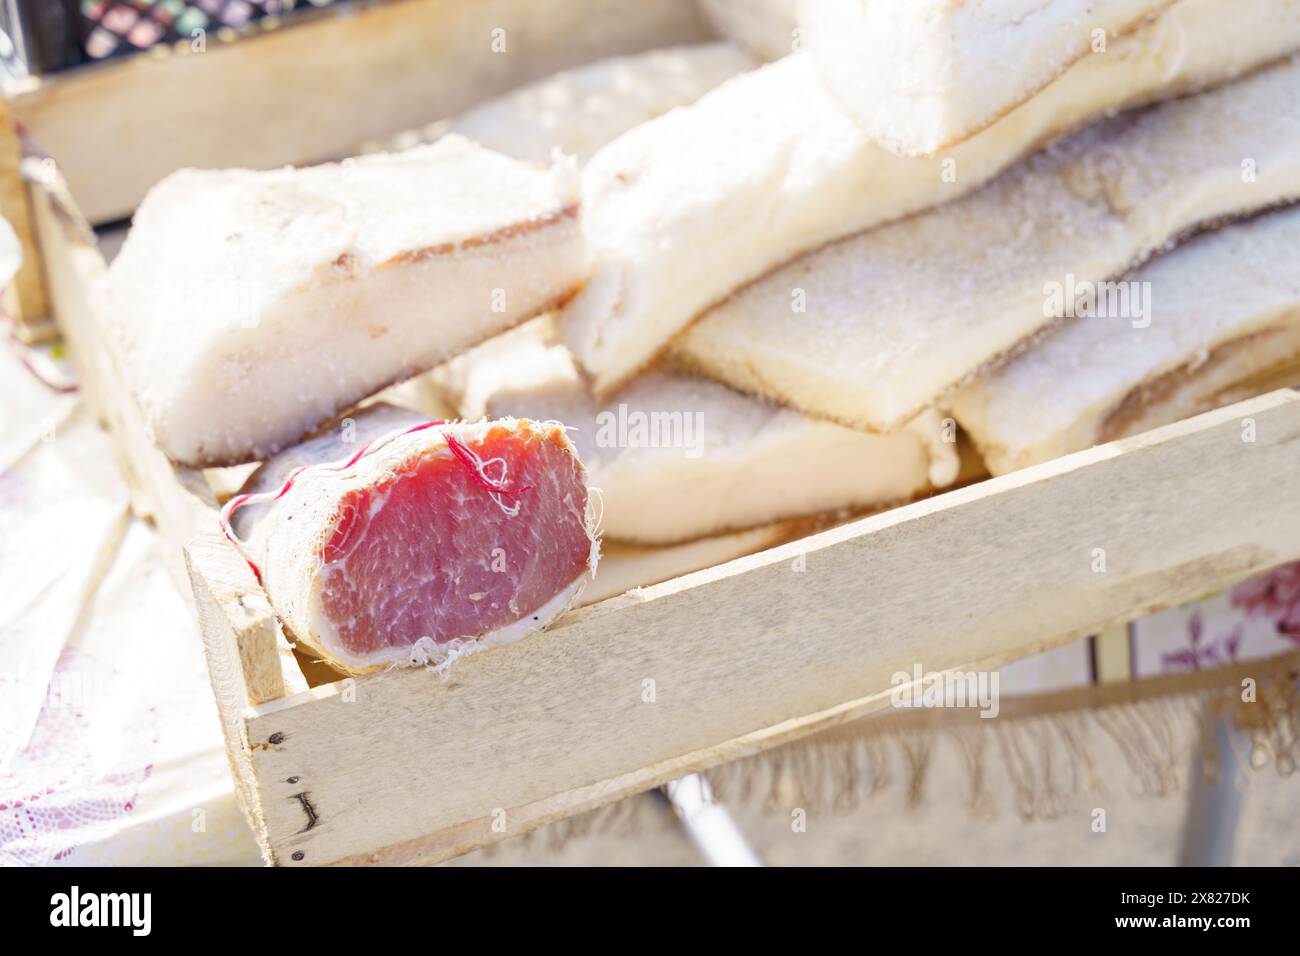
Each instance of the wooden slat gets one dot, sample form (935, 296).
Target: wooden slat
(1215, 684)
(1113, 655)
(28, 303)
(404, 766)
(312, 91)
(221, 625)
(234, 601)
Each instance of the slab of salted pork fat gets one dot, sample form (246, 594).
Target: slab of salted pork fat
(1224, 312)
(251, 307)
(767, 167)
(765, 27)
(579, 110)
(921, 75)
(676, 457)
(901, 315)
(393, 539)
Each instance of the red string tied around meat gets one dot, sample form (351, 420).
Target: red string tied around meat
(477, 467)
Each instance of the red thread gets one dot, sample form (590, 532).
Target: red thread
(237, 502)
(475, 468)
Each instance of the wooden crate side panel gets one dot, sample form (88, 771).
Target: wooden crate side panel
(219, 624)
(683, 675)
(842, 725)
(313, 91)
(266, 663)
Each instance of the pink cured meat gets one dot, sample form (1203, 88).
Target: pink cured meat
(436, 537)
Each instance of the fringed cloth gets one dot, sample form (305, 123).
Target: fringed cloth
(1045, 754)
(1044, 749)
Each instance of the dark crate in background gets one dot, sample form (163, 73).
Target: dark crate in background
(44, 36)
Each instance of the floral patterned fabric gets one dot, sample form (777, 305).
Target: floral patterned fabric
(1275, 598)
(1256, 619)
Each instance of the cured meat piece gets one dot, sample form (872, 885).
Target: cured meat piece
(925, 74)
(767, 167)
(580, 110)
(394, 539)
(677, 457)
(1225, 315)
(250, 307)
(899, 316)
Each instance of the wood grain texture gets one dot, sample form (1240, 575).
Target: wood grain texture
(32, 312)
(405, 766)
(219, 625)
(265, 658)
(1223, 682)
(1113, 655)
(312, 91)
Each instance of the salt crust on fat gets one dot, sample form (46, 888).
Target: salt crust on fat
(767, 167)
(899, 315)
(925, 74)
(721, 460)
(284, 538)
(577, 111)
(767, 27)
(1219, 288)
(252, 306)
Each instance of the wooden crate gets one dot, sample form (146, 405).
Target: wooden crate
(406, 766)
(403, 767)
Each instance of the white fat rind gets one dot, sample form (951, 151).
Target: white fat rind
(900, 315)
(924, 74)
(250, 307)
(578, 111)
(678, 457)
(1225, 309)
(684, 210)
(285, 538)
